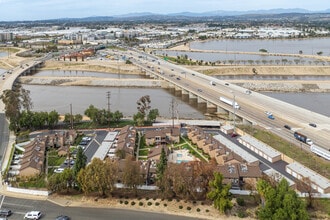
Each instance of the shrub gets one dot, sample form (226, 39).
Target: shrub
(207, 210)
(149, 203)
(194, 202)
(132, 203)
(202, 203)
(188, 208)
(140, 203)
(139, 198)
(180, 207)
(170, 200)
(165, 204)
(147, 198)
(198, 209)
(126, 202)
(121, 202)
(240, 201)
(241, 214)
(157, 203)
(177, 200)
(154, 198)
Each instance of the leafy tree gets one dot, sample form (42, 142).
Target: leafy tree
(153, 115)
(121, 153)
(26, 100)
(131, 174)
(80, 162)
(138, 119)
(91, 112)
(56, 183)
(144, 105)
(98, 176)
(77, 118)
(117, 116)
(280, 202)
(67, 118)
(12, 107)
(220, 194)
(53, 117)
(161, 166)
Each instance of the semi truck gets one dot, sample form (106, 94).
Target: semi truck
(302, 138)
(229, 102)
(320, 151)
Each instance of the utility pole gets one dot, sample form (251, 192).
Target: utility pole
(71, 117)
(173, 110)
(108, 97)
(234, 113)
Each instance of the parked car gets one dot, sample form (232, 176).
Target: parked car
(62, 217)
(5, 212)
(59, 170)
(33, 215)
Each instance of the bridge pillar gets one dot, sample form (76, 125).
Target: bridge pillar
(246, 122)
(221, 110)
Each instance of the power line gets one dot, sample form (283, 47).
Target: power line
(108, 97)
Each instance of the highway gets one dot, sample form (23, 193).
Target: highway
(253, 105)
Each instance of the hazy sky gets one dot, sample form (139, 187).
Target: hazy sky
(13, 10)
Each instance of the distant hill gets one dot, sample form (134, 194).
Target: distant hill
(218, 15)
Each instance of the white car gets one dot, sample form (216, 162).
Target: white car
(268, 113)
(33, 215)
(59, 170)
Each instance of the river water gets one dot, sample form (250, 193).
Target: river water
(59, 98)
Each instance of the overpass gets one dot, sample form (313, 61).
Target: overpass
(11, 76)
(197, 87)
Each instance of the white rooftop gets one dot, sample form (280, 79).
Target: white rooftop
(236, 149)
(323, 182)
(111, 136)
(265, 148)
(102, 151)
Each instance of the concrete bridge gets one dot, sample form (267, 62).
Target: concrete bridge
(12, 75)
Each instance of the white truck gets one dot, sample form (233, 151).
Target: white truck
(229, 102)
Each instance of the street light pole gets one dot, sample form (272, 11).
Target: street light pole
(234, 110)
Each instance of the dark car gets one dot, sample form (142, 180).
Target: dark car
(62, 217)
(287, 127)
(5, 212)
(312, 124)
(234, 135)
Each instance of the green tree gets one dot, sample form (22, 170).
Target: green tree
(143, 105)
(99, 176)
(80, 162)
(161, 167)
(12, 107)
(91, 112)
(53, 118)
(153, 114)
(220, 194)
(117, 116)
(132, 175)
(56, 183)
(77, 118)
(138, 119)
(280, 202)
